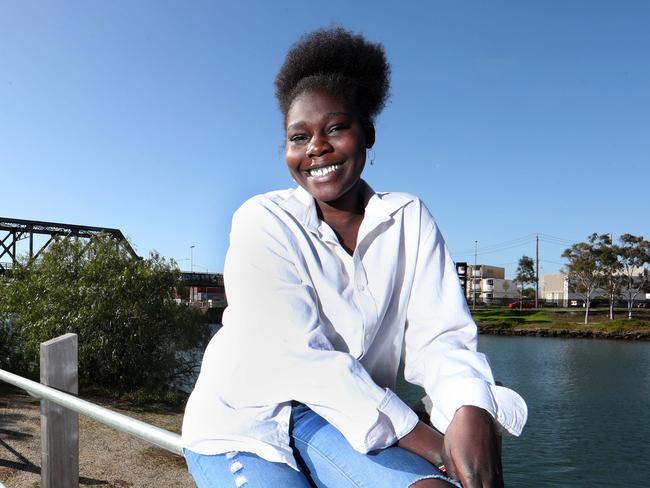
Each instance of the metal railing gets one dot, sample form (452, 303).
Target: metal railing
(149, 433)
(59, 414)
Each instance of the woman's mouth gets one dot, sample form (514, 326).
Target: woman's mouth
(323, 171)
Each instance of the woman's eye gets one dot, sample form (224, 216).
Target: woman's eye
(298, 138)
(336, 128)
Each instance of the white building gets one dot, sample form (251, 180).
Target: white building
(488, 284)
(555, 287)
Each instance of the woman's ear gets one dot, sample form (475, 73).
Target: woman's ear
(369, 129)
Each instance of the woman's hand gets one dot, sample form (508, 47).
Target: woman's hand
(471, 449)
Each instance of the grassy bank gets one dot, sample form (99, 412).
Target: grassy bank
(563, 322)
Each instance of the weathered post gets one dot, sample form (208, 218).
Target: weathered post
(59, 426)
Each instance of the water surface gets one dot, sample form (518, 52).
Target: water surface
(588, 401)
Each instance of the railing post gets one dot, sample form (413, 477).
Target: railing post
(59, 426)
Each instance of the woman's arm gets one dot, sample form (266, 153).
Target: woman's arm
(441, 356)
(426, 442)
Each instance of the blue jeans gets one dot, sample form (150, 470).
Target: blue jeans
(326, 460)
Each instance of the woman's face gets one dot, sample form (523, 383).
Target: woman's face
(325, 146)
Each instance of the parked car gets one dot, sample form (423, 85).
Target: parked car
(522, 304)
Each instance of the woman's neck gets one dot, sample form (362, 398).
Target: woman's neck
(345, 215)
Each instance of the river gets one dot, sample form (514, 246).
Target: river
(588, 401)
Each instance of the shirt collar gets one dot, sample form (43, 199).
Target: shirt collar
(380, 206)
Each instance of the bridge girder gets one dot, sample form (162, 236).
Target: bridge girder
(18, 229)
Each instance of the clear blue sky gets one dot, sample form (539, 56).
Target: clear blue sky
(158, 117)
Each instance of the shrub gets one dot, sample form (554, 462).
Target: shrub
(132, 333)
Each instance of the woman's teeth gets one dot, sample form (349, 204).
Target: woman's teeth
(323, 171)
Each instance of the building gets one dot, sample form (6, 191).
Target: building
(204, 289)
(556, 289)
(488, 284)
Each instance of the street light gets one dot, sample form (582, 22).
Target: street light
(473, 274)
(191, 259)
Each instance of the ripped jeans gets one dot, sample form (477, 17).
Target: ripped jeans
(326, 460)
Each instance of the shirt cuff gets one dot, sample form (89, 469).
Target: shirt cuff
(395, 420)
(512, 411)
(505, 405)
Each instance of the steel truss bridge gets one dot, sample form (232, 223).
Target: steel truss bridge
(14, 230)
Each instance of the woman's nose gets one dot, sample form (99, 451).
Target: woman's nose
(317, 147)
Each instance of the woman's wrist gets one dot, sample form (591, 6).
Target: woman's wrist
(424, 441)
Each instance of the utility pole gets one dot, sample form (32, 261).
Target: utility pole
(473, 274)
(536, 270)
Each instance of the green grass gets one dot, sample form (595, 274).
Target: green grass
(505, 317)
(502, 317)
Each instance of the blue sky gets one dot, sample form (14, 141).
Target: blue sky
(508, 118)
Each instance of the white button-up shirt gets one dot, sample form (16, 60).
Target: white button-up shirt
(308, 322)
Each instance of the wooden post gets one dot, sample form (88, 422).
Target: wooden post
(59, 426)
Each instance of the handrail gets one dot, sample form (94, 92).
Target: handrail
(149, 433)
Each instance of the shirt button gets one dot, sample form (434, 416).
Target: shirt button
(361, 287)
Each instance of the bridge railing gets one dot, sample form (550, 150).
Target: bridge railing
(59, 433)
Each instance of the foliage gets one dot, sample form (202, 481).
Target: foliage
(583, 270)
(610, 267)
(634, 256)
(525, 271)
(525, 275)
(600, 266)
(132, 334)
(528, 293)
(8, 344)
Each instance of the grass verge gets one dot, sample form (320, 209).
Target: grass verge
(503, 319)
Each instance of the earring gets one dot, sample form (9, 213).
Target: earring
(371, 155)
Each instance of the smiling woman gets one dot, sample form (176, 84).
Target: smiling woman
(326, 153)
(326, 148)
(330, 285)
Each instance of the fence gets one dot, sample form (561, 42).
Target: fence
(59, 414)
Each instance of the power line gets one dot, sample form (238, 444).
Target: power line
(516, 242)
(481, 253)
(491, 247)
(556, 240)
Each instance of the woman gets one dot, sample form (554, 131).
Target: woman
(328, 286)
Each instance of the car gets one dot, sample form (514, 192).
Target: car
(522, 304)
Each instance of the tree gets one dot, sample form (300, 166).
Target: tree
(610, 267)
(132, 333)
(525, 275)
(529, 293)
(583, 271)
(634, 257)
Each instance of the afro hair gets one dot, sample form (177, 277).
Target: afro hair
(343, 63)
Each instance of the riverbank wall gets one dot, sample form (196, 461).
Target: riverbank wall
(585, 333)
